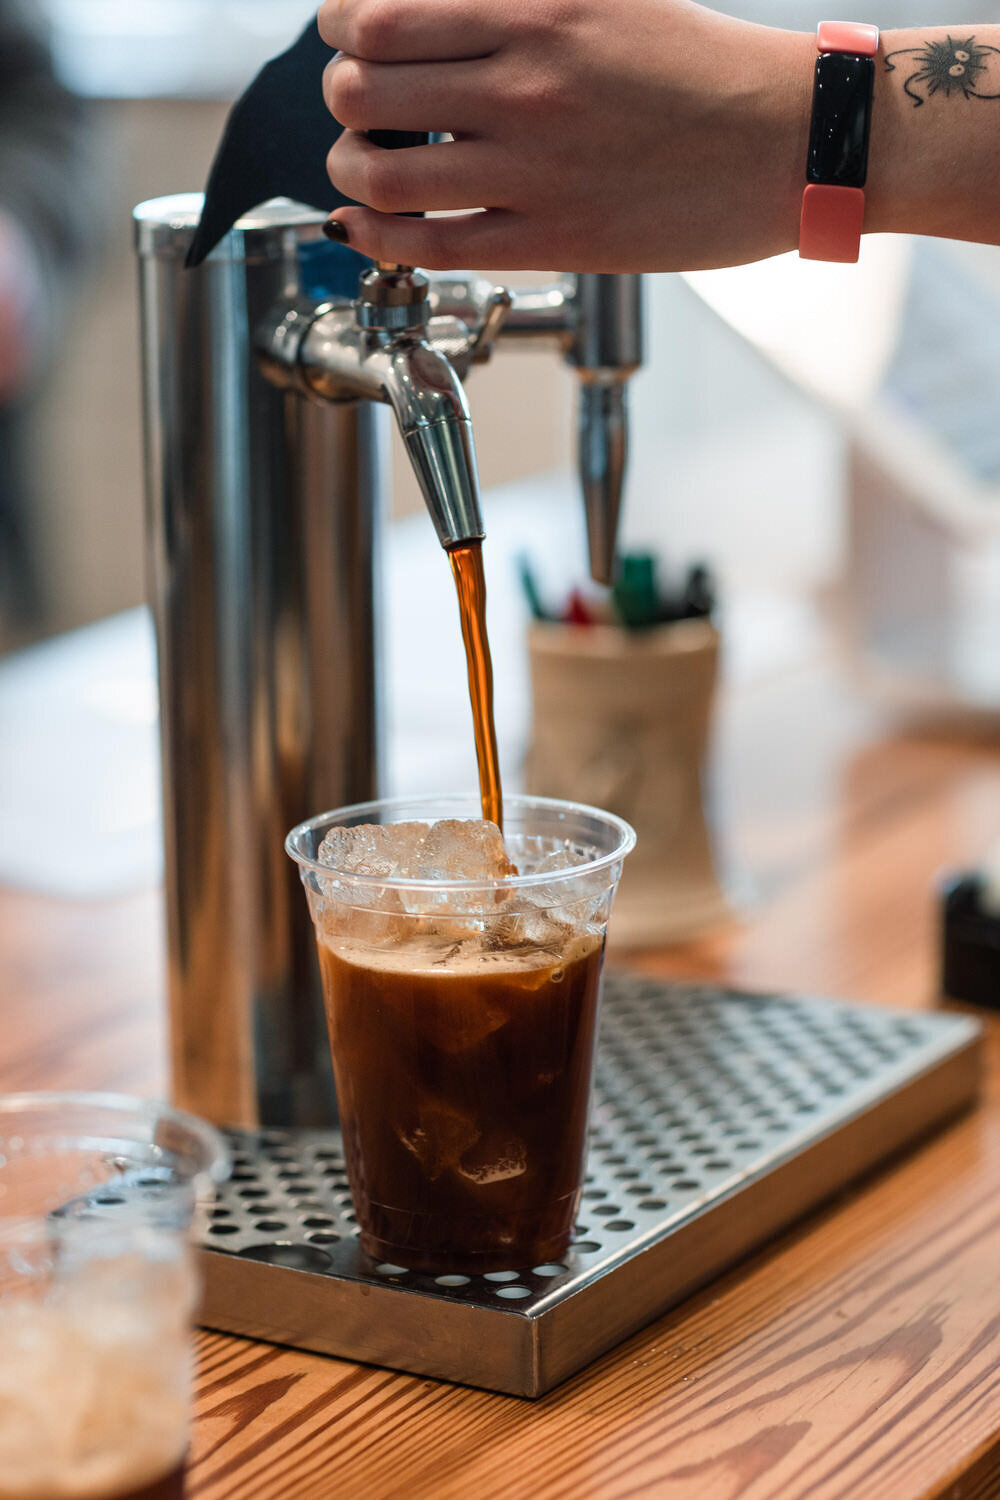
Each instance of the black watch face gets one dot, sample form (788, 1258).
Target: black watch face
(838, 140)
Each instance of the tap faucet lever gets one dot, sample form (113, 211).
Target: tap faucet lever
(396, 140)
(495, 310)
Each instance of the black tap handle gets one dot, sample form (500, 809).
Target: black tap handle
(398, 140)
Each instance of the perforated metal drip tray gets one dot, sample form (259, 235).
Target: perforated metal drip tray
(719, 1118)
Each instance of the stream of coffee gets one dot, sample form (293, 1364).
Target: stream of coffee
(467, 568)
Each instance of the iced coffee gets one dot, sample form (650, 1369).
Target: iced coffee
(461, 973)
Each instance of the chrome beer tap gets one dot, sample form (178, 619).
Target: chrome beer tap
(411, 338)
(263, 512)
(385, 347)
(381, 348)
(405, 345)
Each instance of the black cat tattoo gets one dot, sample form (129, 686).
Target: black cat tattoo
(950, 67)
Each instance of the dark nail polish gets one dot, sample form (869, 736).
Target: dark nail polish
(335, 230)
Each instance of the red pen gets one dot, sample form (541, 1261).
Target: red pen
(577, 612)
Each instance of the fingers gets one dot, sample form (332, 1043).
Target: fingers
(404, 96)
(446, 176)
(493, 238)
(412, 30)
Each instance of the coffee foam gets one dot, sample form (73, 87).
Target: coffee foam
(474, 957)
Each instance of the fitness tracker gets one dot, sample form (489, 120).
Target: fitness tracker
(833, 204)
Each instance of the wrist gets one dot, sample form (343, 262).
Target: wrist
(787, 61)
(852, 150)
(886, 191)
(925, 167)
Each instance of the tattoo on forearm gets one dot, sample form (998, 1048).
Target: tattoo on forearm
(949, 67)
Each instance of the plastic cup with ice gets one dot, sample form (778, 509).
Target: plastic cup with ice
(461, 974)
(97, 1290)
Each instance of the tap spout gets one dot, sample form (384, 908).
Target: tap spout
(429, 402)
(423, 388)
(386, 348)
(606, 350)
(602, 451)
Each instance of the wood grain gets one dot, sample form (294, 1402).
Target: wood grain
(857, 1358)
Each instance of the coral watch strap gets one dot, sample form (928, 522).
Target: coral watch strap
(847, 36)
(833, 203)
(830, 224)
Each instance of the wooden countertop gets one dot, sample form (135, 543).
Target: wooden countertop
(857, 1356)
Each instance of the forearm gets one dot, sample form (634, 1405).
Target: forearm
(674, 138)
(934, 161)
(934, 166)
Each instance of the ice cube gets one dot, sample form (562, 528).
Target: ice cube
(451, 849)
(564, 857)
(464, 849)
(577, 903)
(496, 1157)
(378, 924)
(536, 932)
(455, 1023)
(440, 1137)
(382, 850)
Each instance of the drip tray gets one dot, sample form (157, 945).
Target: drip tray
(719, 1118)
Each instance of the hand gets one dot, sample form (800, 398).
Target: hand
(638, 135)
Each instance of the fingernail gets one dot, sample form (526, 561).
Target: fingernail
(335, 230)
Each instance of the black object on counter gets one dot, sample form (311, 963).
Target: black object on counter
(700, 594)
(970, 944)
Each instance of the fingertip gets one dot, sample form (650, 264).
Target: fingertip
(437, 244)
(349, 226)
(355, 227)
(325, 21)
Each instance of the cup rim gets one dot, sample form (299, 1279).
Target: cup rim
(625, 842)
(216, 1163)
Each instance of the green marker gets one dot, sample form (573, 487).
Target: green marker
(530, 589)
(635, 591)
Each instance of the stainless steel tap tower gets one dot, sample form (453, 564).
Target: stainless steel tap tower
(268, 374)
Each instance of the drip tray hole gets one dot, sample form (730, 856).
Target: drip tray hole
(295, 1257)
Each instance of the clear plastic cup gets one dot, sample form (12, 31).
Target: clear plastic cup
(463, 1018)
(98, 1194)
